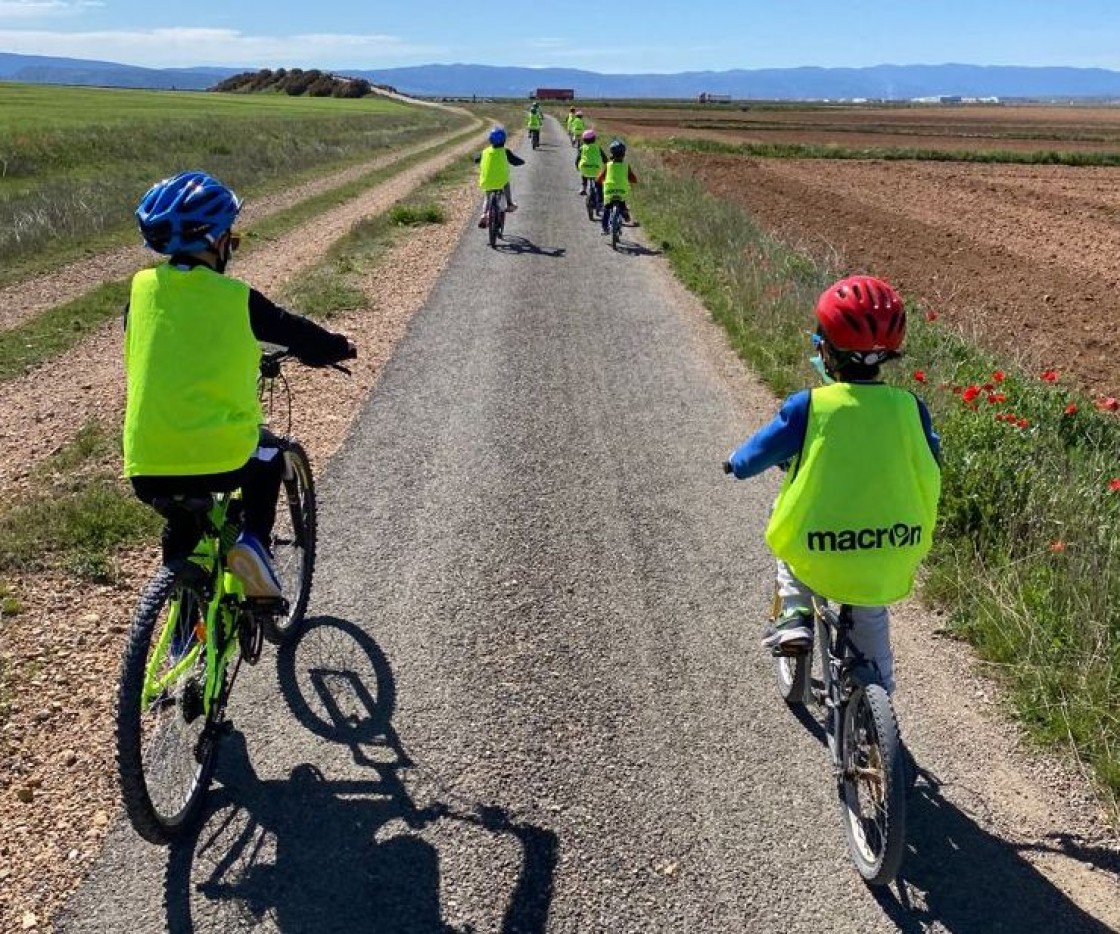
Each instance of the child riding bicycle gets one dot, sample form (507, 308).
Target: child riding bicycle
(616, 177)
(192, 422)
(590, 160)
(534, 120)
(576, 127)
(856, 513)
(493, 170)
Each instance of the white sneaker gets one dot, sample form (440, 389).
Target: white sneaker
(250, 562)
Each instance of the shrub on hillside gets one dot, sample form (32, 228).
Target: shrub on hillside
(296, 82)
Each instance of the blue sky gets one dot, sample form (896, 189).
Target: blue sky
(643, 36)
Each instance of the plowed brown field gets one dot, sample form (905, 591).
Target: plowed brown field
(1024, 258)
(1019, 129)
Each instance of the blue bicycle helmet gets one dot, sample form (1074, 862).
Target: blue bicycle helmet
(617, 149)
(498, 136)
(186, 213)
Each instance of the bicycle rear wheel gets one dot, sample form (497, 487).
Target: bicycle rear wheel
(493, 220)
(293, 543)
(165, 751)
(616, 225)
(793, 673)
(872, 785)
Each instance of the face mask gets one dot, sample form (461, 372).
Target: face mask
(817, 363)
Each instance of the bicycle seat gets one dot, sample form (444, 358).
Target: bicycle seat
(180, 504)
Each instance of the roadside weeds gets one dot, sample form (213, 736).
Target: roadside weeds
(1027, 554)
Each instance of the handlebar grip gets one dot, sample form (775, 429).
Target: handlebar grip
(727, 467)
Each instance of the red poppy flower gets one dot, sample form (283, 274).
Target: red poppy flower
(1114, 485)
(1109, 404)
(995, 397)
(931, 315)
(920, 375)
(999, 376)
(1022, 423)
(1049, 376)
(1071, 408)
(970, 393)
(1057, 546)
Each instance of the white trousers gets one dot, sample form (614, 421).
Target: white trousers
(871, 625)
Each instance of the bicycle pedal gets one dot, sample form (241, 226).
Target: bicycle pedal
(789, 651)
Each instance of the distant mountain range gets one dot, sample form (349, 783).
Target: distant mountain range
(892, 82)
(42, 69)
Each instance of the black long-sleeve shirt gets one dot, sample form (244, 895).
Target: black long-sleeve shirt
(511, 157)
(271, 324)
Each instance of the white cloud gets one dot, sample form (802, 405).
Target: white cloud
(38, 9)
(187, 46)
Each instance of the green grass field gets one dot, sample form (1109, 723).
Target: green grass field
(75, 161)
(32, 108)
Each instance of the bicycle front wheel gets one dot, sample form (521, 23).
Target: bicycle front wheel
(165, 753)
(293, 543)
(872, 792)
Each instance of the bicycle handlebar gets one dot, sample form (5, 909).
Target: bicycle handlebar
(270, 363)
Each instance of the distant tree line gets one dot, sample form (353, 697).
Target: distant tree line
(296, 82)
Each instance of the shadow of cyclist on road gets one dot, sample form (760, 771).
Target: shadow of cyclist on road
(517, 244)
(633, 248)
(958, 877)
(312, 854)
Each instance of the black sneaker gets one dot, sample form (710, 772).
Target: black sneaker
(790, 634)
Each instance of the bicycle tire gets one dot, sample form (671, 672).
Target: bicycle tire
(871, 743)
(492, 225)
(148, 815)
(793, 674)
(591, 206)
(616, 226)
(302, 513)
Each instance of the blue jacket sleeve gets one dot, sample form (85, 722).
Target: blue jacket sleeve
(932, 436)
(775, 443)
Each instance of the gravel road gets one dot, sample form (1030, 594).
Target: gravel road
(533, 697)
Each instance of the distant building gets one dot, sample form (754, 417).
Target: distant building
(554, 94)
(707, 98)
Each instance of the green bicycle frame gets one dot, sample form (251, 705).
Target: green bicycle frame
(221, 619)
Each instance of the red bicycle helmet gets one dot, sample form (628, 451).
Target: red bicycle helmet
(863, 316)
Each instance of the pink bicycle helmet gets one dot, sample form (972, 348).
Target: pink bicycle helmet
(588, 136)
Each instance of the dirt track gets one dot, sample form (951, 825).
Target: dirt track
(1025, 257)
(47, 407)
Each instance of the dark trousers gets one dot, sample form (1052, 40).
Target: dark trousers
(258, 480)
